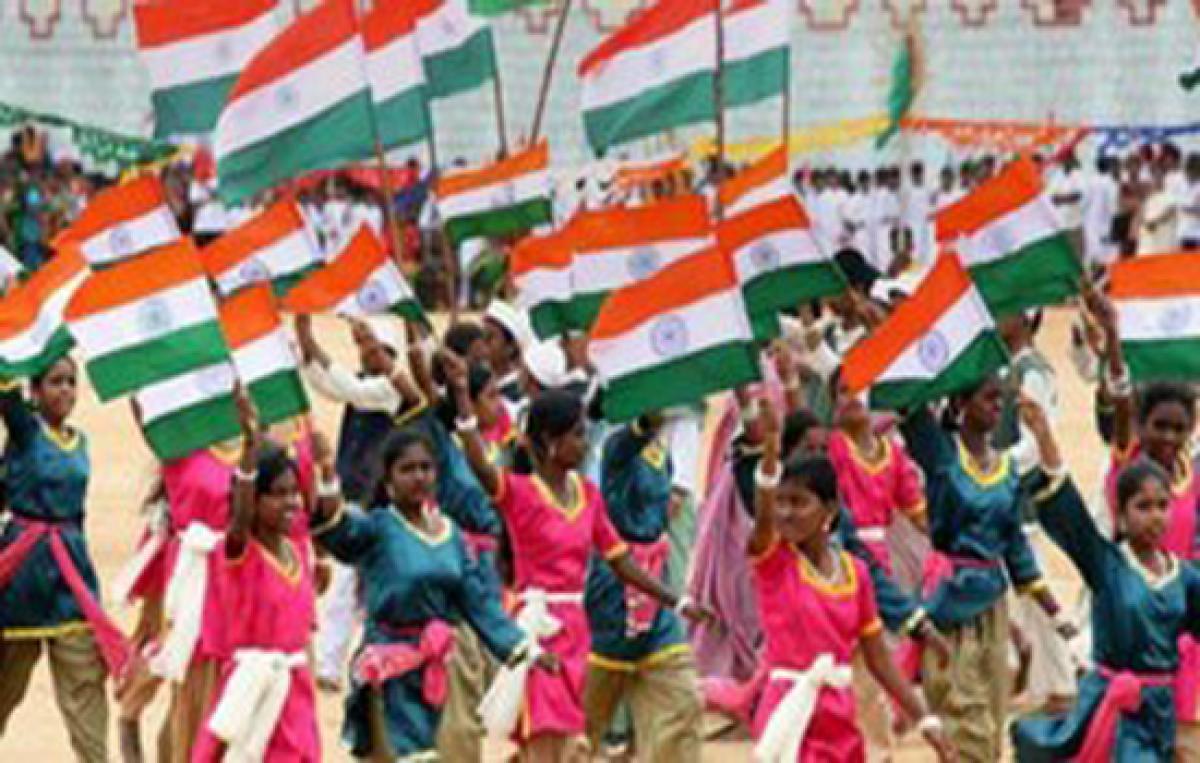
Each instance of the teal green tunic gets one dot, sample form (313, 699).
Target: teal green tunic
(411, 579)
(46, 481)
(1135, 624)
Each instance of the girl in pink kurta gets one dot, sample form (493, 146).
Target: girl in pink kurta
(817, 607)
(557, 522)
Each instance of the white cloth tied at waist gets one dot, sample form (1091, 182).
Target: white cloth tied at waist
(784, 734)
(872, 534)
(183, 603)
(159, 527)
(252, 703)
(501, 705)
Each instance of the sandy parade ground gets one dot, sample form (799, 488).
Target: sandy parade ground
(122, 468)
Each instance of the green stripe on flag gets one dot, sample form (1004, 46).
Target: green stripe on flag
(340, 135)
(404, 119)
(463, 68)
(191, 109)
(279, 397)
(683, 102)
(411, 310)
(549, 319)
(135, 367)
(60, 344)
(787, 288)
(1045, 272)
(688, 379)
(1176, 359)
(189, 429)
(755, 79)
(983, 357)
(583, 309)
(497, 223)
(499, 7)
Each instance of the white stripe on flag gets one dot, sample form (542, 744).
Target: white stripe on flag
(775, 251)
(447, 28)
(269, 354)
(759, 195)
(1151, 319)
(496, 196)
(31, 341)
(129, 237)
(631, 73)
(283, 257)
(934, 352)
(613, 268)
(394, 69)
(751, 33)
(149, 318)
(179, 392)
(543, 285)
(209, 56)
(381, 291)
(1007, 235)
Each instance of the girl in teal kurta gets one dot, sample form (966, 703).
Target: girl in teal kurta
(419, 581)
(1143, 599)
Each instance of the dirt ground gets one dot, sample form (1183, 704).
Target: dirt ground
(121, 471)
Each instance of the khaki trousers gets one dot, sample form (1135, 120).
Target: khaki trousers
(664, 700)
(78, 673)
(460, 733)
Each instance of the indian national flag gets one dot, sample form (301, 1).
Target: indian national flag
(615, 248)
(541, 271)
(652, 75)
(189, 411)
(146, 320)
(32, 332)
(673, 338)
(262, 354)
(194, 52)
(122, 221)
(764, 181)
(301, 104)
(777, 261)
(507, 198)
(362, 280)
(395, 73)
(1158, 305)
(456, 47)
(939, 341)
(1008, 235)
(276, 247)
(758, 47)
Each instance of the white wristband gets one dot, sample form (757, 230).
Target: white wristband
(929, 724)
(469, 424)
(242, 476)
(1121, 386)
(766, 481)
(330, 489)
(684, 602)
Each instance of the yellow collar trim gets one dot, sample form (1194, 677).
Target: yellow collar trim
(571, 512)
(442, 535)
(290, 572)
(67, 442)
(1152, 581)
(997, 475)
(860, 458)
(809, 575)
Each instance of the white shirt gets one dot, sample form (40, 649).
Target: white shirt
(1189, 213)
(1101, 200)
(1162, 239)
(1064, 183)
(363, 393)
(1042, 388)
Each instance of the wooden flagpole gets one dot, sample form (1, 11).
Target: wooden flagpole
(719, 105)
(548, 72)
(449, 261)
(498, 102)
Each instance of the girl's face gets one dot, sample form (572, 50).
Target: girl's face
(815, 441)
(56, 393)
(489, 406)
(412, 476)
(1145, 514)
(800, 514)
(981, 411)
(850, 411)
(499, 349)
(278, 506)
(1165, 432)
(569, 450)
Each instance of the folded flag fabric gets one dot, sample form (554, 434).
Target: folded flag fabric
(939, 341)
(541, 272)
(146, 320)
(193, 52)
(262, 354)
(507, 198)
(122, 221)
(32, 332)
(276, 247)
(302, 104)
(778, 262)
(1158, 308)
(189, 411)
(361, 280)
(764, 181)
(618, 247)
(1010, 238)
(394, 70)
(673, 338)
(457, 52)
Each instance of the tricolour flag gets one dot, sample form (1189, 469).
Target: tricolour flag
(507, 198)
(1158, 308)
(32, 332)
(541, 272)
(766, 180)
(302, 103)
(146, 320)
(262, 354)
(395, 73)
(615, 248)
(673, 338)
(361, 280)
(189, 411)
(758, 47)
(939, 341)
(456, 47)
(194, 52)
(652, 75)
(1009, 237)
(122, 221)
(777, 261)
(276, 247)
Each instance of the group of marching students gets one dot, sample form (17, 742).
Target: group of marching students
(501, 590)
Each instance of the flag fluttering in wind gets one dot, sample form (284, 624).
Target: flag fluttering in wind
(456, 48)
(674, 338)
(33, 334)
(541, 272)
(758, 49)
(396, 75)
(764, 181)
(123, 221)
(276, 247)
(302, 104)
(1158, 305)
(1009, 236)
(939, 341)
(194, 51)
(507, 198)
(908, 73)
(262, 354)
(189, 411)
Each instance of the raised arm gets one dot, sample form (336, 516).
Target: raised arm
(487, 473)
(766, 481)
(244, 478)
(1117, 385)
(18, 417)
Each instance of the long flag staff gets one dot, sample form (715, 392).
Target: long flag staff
(548, 72)
(785, 122)
(498, 101)
(449, 263)
(719, 105)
